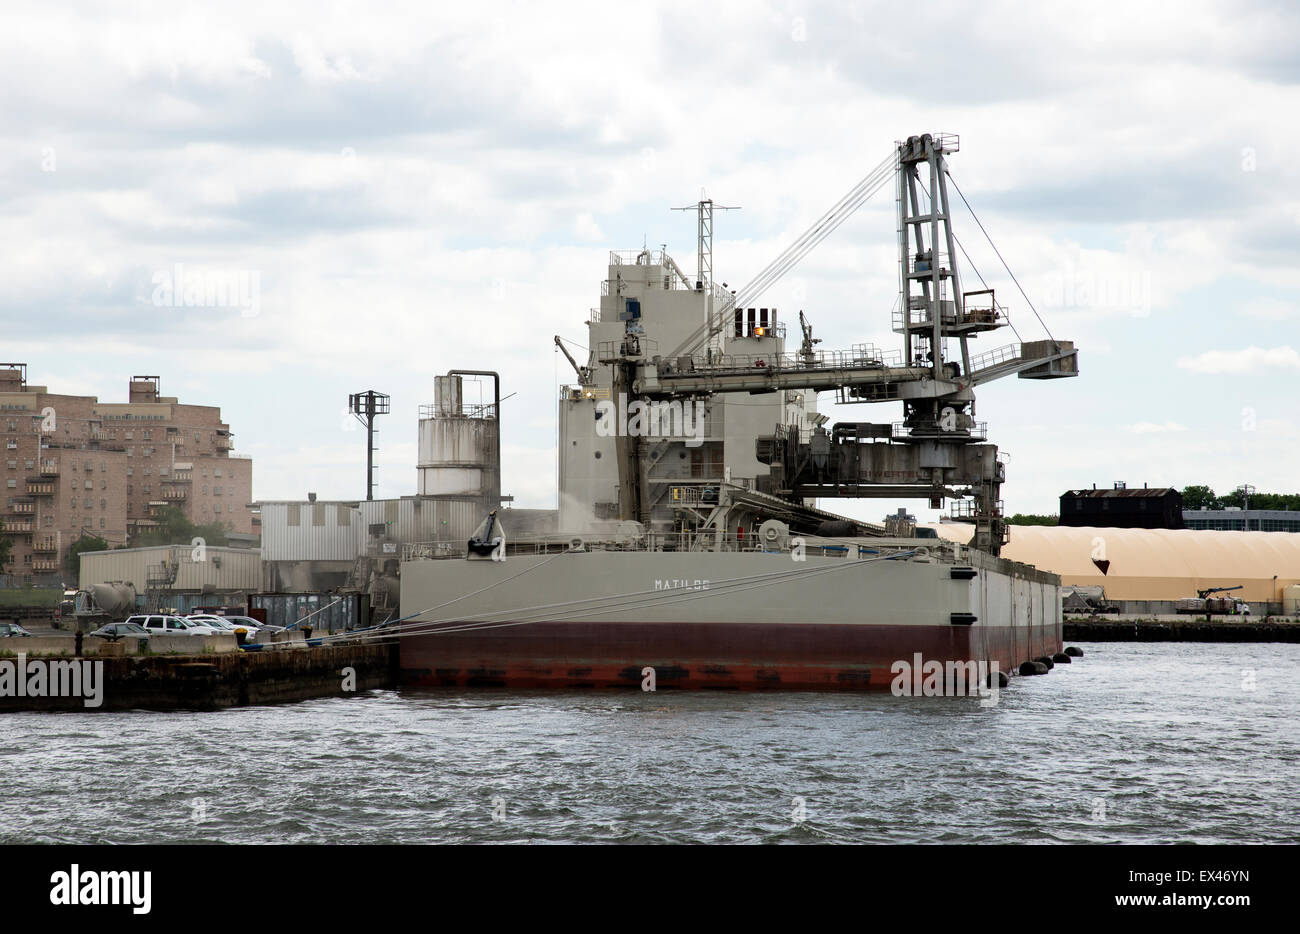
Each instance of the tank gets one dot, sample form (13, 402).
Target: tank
(115, 600)
(457, 445)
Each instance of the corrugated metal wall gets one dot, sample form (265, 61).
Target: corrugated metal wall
(311, 531)
(414, 519)
(221, 568)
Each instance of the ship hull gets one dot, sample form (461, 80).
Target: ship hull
(815, 631)
(706, 656)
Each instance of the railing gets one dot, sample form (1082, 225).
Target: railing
(45, 564)
(655, 541)
(862, 356)
(49, 468)
(758, 331)
(22, 507)
(969, 510)
(18, 525)
(467, 410)
(45, 545)
(634, 257)
(1000, 355)
(979, 431)
(926, 264)
(39, 488)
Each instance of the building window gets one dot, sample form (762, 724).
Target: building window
(294, 514)
(216, 491)
(103, 484)
(12, 483)
(72, 504)
(318, 514)
(147, 434)
(217, 508)
(31, 464)
(129, 435)
(90, 484)
(13, 465)
(103, 504)
(130, 471)
(101, 523)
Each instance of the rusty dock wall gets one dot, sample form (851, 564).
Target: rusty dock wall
(208, 681)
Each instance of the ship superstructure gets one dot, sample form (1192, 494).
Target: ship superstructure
(662, 344)
(691, 454)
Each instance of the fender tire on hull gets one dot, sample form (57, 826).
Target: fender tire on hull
(1074, 650)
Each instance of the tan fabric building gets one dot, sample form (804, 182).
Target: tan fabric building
(1156, 564)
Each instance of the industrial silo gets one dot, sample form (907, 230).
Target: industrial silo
(460, 444)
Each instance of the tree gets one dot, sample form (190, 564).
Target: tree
(1032, 519)
(5, 546)
(175, 528)
(72, 563)
(1198, 497)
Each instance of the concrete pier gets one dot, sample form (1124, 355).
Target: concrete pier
(203, 681)
(1184, 629)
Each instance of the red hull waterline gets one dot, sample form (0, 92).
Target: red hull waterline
(708, 656)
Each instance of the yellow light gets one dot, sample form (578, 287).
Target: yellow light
(759, 332)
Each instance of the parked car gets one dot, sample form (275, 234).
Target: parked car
(163, 624)
(12, 629)
(116, 631)
(237, 622)
(254, 624)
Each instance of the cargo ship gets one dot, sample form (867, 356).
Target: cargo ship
(691, 549)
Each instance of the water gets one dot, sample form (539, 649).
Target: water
(1136, 743)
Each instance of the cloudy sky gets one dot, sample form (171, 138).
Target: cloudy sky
(418, 187)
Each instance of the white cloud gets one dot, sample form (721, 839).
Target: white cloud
(1151, 428)
(1247, 360)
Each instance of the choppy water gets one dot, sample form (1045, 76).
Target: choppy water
(1135, 743)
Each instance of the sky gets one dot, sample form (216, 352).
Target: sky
(390, 191)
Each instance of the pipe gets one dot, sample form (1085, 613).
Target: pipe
(496, 407)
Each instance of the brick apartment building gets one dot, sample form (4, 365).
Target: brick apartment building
(74, 465)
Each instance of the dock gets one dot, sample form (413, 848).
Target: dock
(1185, 629)
(212, 680)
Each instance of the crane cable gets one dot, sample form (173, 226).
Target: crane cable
(1004, 262)
(823, 227)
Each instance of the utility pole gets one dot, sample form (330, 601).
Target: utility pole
(365, 406)
(704, 248)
